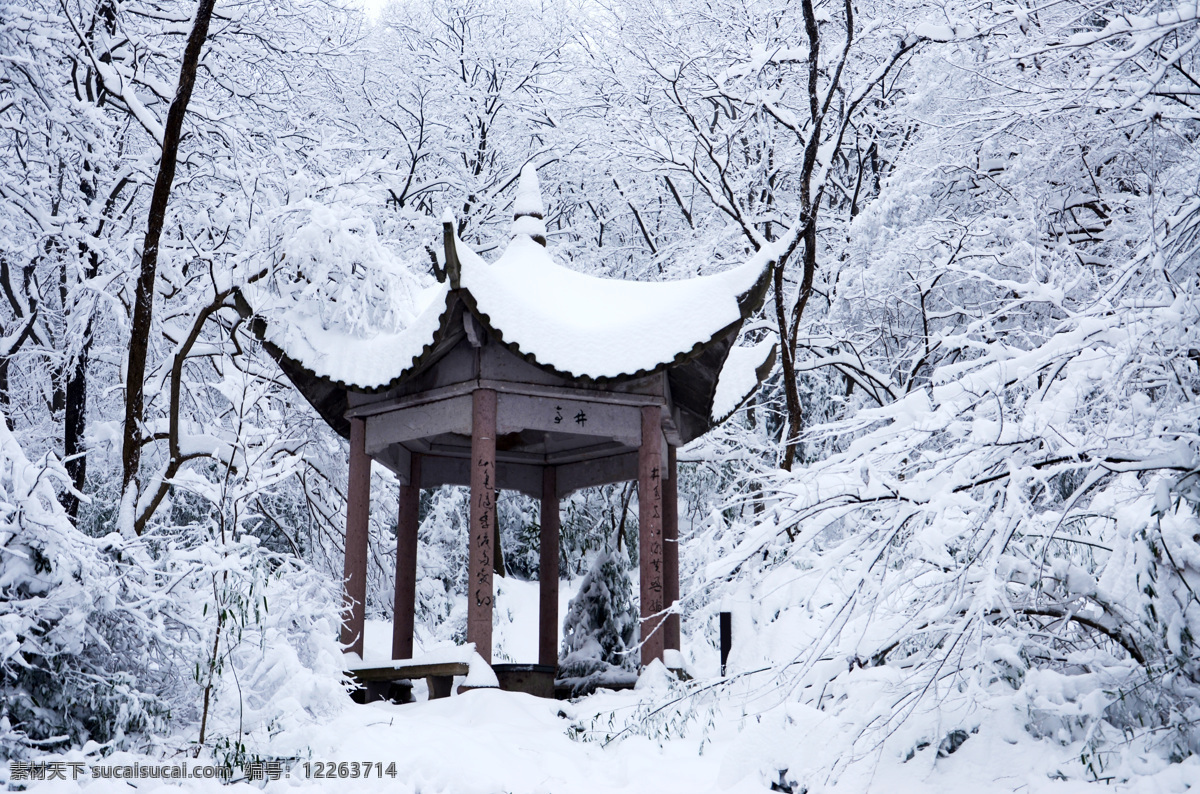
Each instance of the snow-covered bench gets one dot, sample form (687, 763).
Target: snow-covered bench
(381, 679)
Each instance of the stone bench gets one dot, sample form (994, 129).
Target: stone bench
(379, 683)
(392, 680)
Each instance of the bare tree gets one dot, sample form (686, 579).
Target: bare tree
(143, 307)
(763, 133)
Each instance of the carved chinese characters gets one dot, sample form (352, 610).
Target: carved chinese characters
(650, 519)
(483, 521)
(358, 506)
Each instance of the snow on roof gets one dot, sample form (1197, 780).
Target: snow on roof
(596, 327)
(529, 226)
(577, 324)
(739, 378)
(344, 357)
(528, 212)
(529, 194)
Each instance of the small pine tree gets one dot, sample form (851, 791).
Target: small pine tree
(601, 626)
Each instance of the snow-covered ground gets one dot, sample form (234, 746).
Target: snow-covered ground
(488, 742)
(491, 741)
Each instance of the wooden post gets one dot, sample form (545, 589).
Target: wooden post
(650, 522)
(405, 605)
(726, 638)
(483, 521)
(671, 549)
(548, 570)
(358, 513)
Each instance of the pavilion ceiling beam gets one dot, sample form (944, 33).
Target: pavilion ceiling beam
(383, 405)
(437, 471)
(589, 473)
(560, 414)
(515, 413)
(569, 453)
(419, 421)
(397, 460)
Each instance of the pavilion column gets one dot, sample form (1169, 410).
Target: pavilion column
(483, 521)
(405, 605)
(650, 523)
(671, 549)
(358, 510)
(548, 570)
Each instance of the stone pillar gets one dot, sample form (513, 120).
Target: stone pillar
(548, 570)
(358, 513)
(650, 523)
(483, 521)
(405, 605)
(671, 549)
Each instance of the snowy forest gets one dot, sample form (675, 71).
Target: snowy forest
(958, 526)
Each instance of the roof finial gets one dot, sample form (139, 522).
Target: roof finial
(528, 213)
(452, 267)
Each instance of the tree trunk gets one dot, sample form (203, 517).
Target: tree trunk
(5, 357)
(791, 389)
(143, 308)
(75, 423)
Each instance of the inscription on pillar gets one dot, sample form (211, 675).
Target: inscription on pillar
(655, 557)
(485, 504)
(358, 512)
(483, 521)
(650, 519)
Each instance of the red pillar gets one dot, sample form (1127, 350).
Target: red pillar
(358, 511)
(405, 605)
(483, 521)
(650, 521)
(671, 549)
(548, 571)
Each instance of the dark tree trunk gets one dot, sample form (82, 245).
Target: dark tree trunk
(74, 378)
(5, 403)
(75, 416)
(143, 308)
(5, 357)
(791, 390)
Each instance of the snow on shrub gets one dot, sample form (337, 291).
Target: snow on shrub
(274, 663)
(78, 660)
(136, 643)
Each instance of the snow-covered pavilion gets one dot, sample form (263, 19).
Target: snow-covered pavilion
(522, 374)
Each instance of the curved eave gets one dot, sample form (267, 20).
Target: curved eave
(748, 303)
(429, 353)
(761, 373)
(329, 395)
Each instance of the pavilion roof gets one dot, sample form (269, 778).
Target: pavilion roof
(579, 326)
(572, 323)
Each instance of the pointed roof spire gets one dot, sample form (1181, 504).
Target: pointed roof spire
(528, 213)
(452, 266)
